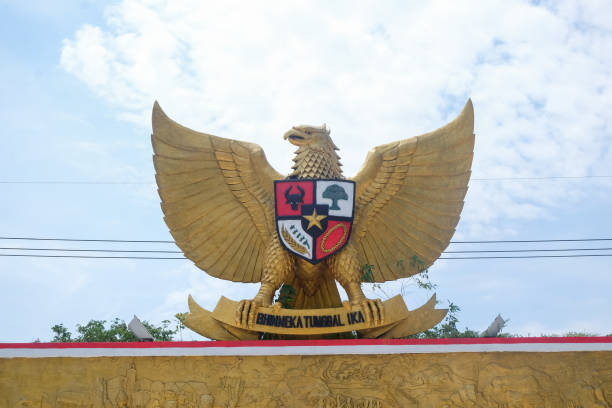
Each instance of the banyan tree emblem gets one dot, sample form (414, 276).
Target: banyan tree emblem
(314, 217)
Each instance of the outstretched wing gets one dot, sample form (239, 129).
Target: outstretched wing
(217, 197)
(409, 197)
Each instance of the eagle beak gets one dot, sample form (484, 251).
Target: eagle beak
(295, 136)
(287, 134)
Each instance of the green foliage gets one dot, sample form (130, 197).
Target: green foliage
(162, 332)
(180, 325)
(423, 282)
(62, 335)
(415, 261)
(180, 317)
(366, 273)
(96, 331)
(367, 276)
(572, 334)
(447, 328)
(420, 279)
(580, 334)
(286, 296)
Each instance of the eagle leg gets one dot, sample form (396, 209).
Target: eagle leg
(279, 266)
(346, 269)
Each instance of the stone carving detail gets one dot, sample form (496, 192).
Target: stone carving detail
(233, 386)
(464, 380)
(130, 391)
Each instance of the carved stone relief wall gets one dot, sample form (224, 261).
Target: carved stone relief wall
(453, 380)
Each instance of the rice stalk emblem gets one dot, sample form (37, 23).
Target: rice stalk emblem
(292, 242)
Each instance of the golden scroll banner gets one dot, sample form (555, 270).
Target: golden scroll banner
(220, 324)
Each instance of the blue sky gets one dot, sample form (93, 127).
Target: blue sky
(80, 79)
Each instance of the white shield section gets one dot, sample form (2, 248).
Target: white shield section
(295, 238)
(341, 193)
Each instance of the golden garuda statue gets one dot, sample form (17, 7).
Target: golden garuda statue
(238, 219)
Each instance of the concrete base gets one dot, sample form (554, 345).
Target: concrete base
(500, 373)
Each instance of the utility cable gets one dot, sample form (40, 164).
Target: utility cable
(180, 252)
(90, 256)
(532, 240)
(85, 182)
(537, 178)
(90, 250)
(528, 256)
(172, 242)
(527, 250)
(85, 240)
(446, 258)
(75, 182)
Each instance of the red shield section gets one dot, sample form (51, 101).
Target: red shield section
(290, 195)
(332, 239)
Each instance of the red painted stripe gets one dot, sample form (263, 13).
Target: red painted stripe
(311, 343)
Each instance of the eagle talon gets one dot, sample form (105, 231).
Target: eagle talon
(239, 310)
(246, 312)
(381, 311)
(367, 312)
(252, 314)
(373, 312)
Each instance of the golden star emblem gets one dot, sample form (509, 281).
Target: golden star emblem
(314, 219)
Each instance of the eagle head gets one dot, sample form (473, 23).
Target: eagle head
(308, 135)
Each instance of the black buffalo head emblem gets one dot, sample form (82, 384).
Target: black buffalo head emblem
(294, 199)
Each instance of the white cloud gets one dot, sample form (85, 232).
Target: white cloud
(537, 75)
(204, 288)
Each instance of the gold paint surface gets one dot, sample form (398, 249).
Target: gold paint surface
(453, 380)
(398, 320)
(218, 201)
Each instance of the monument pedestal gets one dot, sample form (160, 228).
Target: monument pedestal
(398, 320)
(498, 372)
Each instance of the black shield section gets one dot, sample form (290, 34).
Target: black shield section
(308, 210)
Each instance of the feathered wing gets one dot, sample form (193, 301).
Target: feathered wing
(217, 197)
(409, 197)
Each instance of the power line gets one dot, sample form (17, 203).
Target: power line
(180, 252)
(85, 240)
(172, 242)
(527, 250)
(537, 178)
(90, 250)
(90, 256)
(532, 240)
(73, 182)
(165, 258)
(528, 256)
(85, 182)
